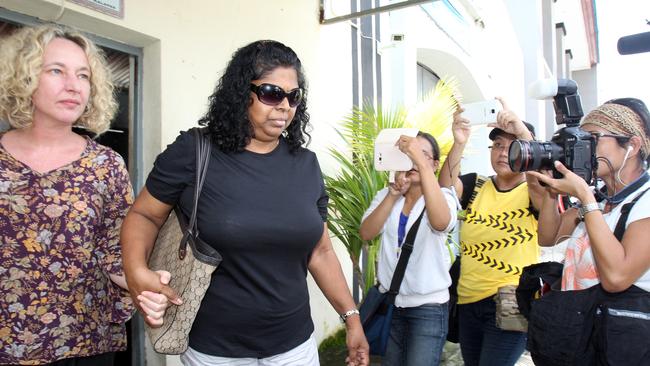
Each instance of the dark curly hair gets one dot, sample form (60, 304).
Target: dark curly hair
(227, 115)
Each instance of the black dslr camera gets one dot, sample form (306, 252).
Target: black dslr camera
(572, 146)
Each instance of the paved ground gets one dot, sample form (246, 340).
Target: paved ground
(450, 357)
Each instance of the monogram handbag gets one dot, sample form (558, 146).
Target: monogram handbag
(180, 251)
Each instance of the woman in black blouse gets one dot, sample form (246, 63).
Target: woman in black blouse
(263, 207)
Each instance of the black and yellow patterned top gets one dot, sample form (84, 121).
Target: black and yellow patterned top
(498, 239)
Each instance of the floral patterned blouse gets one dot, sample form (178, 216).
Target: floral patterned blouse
(59, 240)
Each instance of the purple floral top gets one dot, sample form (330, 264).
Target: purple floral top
(59, 240)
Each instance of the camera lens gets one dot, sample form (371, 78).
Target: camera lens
(531, 155)
(519, 156)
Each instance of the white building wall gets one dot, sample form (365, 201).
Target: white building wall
(487, 62)
(527, 18)
(587, 88)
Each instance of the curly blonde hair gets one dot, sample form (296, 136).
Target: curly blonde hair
(21, 62)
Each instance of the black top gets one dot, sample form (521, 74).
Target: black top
(469, 182)
(264, 213)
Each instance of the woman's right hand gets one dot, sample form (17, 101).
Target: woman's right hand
(401, 185)
(460, 127)
(151, 293)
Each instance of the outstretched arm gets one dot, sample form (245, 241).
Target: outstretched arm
(324, 266)
(451, 168)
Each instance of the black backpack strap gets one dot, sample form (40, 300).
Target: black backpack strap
(472, 183)
(480, 181)
(625, 212)
(407, 249)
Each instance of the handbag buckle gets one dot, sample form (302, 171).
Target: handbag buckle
(182, 250)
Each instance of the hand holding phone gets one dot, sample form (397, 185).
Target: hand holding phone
(388, 157)
(482, 113)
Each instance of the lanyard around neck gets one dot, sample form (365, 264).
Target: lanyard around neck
(625, 192)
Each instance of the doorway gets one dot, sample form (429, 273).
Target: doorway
(123, 136)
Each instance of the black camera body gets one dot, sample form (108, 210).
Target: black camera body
(571, 145)
(579, 148)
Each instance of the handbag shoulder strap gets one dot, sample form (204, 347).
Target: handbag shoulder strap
(203, 148)
(625, 212)
(407, 249)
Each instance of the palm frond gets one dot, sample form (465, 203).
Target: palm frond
(353, 187)
(436, 113)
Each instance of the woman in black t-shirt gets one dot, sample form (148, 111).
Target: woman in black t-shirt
(263, 207)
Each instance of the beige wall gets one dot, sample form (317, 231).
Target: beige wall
(187, 44)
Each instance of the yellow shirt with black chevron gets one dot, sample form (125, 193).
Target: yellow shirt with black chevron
(498, 239)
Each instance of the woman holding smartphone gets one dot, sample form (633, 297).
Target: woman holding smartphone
(419, 325)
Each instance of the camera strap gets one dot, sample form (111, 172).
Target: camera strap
(625, 212)
(625, 192)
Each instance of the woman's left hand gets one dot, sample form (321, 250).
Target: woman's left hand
(410, 146)
(358, 349)
(570, 183)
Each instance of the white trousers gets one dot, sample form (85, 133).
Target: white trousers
(305, 354)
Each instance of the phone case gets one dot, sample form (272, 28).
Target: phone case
(388, 157)
(480, 113)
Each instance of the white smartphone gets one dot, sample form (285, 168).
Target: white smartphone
(388, 157)
(481, 113)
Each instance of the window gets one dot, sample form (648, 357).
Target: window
(426, 80)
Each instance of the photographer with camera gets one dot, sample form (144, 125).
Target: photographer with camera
(498, 238)
(607, 266)
(419, 324)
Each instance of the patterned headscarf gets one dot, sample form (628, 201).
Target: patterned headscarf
(621, 120)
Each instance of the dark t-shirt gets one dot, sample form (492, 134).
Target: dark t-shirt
(264, 213)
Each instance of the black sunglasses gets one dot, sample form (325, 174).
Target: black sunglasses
(273, 95)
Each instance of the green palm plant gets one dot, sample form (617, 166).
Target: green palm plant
(353, 187)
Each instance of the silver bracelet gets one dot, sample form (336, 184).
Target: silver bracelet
(349, 313)
(589, 207)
